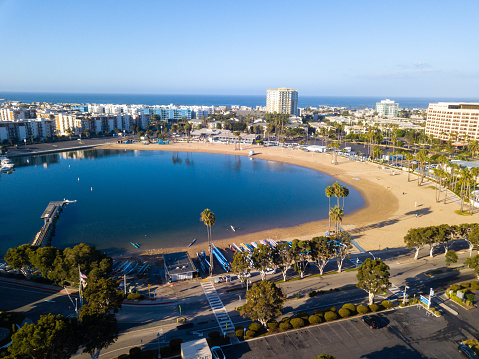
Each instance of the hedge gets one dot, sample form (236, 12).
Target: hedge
(314, 319)
(286, 319)
(455, 287)
(349, 306)
(362, 309)
(272, 324)
(250, 334)
(135, 296)
(239, 332)
(344, 313)
(318, 312)
(387, 304)
(474, 285)
(255, 326)
(297, 323)
(374, 307)
(465, 285)
(303, 315)
(284, 326)
(332, 309)
(329, 316)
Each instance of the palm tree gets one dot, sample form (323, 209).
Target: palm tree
(344, 194)
(208, 218)
(329, 191)
(409, 157)
(422, 158)
(337, 190)
(336, 214)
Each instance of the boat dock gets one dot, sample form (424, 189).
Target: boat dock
(52, 211)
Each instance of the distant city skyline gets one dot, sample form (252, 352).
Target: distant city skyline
(343, 48)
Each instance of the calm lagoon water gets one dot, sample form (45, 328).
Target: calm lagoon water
(155, 198)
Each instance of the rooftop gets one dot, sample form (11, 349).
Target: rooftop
(179, 262)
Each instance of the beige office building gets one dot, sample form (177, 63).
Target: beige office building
(282, 100)
(445, 120)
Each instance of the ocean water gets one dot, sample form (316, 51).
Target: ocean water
(156, 198)
(218, 100)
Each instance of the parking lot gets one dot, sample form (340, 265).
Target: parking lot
(405, 333)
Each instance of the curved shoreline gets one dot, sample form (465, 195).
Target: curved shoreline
(391, 202)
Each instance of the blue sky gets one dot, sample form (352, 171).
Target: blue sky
(349, 48)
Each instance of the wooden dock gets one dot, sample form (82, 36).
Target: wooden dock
(52, 211)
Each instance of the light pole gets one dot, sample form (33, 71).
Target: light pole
(372, 255)
(159, 352)
(405, 289)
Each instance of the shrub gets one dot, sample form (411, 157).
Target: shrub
(297, 296)
(135, 353)
(362, 309)
(286, 319)
(312, 294)
(239, 332)
(474, 285)
(135, 296)
(303, 315)
(272, 324)
(470, 297)
(314, 319)
(465, 285)
(387, 304)
(175, 344)
(284, 326)
(318, 312)
(214, 334)
(250, 334)
(374, 307)
(455, 287)
(349, 306)
(437, 312)
(297, 323)
(344, 313)
(255, 326)
(329, 316)
(332, 309)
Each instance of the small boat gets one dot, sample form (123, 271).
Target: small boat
(136, 245)
(233, 228)
(192, 242)
(6, 163)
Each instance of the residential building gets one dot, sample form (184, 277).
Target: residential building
(282, 100)
(453, 120)
(387, 108)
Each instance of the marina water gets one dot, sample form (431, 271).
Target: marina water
(155, 198)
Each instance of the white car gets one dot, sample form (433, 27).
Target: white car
(217, 353)
(269, 271)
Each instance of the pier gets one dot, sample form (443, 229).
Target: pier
(52, 211)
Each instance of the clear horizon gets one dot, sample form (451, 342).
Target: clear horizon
(321, 48)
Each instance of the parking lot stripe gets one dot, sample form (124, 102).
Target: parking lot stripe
(331, 326)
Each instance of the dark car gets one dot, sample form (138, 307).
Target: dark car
(466, 351)
(372, 321)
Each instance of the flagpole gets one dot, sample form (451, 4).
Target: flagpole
(79, 286)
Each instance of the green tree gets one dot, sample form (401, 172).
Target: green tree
(336, 214)
(264, 301)
(325, 356)
(342, 244)
(44, 259)
(321, 252)
(19, 257)
(299, 251)
(451, 257)
(102, 296)
(415, 239)
(209, 219)
(373, 277)
(329, 191)
(53, 337)
(91, 261)
(241, 266)
(470, 231)
(282, 258)
(262, 258)
(99, 330)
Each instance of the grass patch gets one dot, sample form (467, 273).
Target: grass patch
(315, 275)
(463, 213)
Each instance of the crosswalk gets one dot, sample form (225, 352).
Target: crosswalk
(396, 291)
(219, 310)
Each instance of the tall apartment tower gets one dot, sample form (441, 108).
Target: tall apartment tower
(282, 100)
(387, 108)
(453, 120)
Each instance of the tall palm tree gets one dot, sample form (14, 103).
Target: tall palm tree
(344, 194)
(329, 191)
(208, 218)
(409, 157)
(336, 214)
(337, 190)
(422, 158)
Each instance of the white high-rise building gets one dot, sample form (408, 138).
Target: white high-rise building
(282, 100)
(458, 121)
(387, 108)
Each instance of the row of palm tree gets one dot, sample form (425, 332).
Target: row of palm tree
(336, 213)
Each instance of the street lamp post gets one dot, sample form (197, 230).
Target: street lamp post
(372, 255)
(159, 352)
(405, 289)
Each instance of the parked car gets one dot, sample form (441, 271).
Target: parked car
(467, 352)
(372, 321)
(218, 353)
(269, 271)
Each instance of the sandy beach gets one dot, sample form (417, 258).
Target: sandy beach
(392, 204)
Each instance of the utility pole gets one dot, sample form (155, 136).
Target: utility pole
(124, 282)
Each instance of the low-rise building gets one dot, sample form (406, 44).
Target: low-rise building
(179, 266)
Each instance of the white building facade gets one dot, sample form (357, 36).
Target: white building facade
(387, 108)
(453, 120)
(282, 100)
